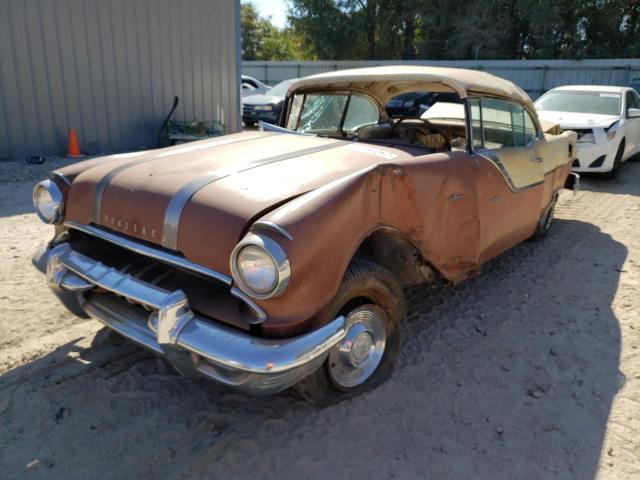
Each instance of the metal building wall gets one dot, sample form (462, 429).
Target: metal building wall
(534, 76)
(110, 69)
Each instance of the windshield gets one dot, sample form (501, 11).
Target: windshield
(328, 112)
(601, 103)
(280, 90)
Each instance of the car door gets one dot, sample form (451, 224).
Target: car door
(510, 181)
(632, 100)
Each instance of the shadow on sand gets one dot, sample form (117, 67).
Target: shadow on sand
(509, 375)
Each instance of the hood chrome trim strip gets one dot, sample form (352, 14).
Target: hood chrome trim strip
(182, 197)
(106, 180)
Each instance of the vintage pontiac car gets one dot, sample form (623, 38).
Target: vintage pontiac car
(277, 258)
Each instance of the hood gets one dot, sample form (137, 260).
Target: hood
(200, 198)
(261, 100)
(569, 120)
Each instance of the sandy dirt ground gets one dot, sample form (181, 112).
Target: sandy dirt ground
(530, 371)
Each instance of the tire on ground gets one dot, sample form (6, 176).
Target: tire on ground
(546, 219)
(364, 283)
(611, 175)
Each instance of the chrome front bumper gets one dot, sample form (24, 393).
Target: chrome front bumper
(166, 325)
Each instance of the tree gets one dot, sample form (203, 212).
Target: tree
(261, 40)
(474, 29)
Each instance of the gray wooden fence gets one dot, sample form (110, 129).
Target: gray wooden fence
(534, 76)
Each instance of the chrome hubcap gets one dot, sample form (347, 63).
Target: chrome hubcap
(358, 355)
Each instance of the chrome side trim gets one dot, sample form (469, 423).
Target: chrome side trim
(260, 315)
(60, 176)
(106, 180)
(150, 252)
(182, 197)
(274, 227)
(270, 127)
(495, 161)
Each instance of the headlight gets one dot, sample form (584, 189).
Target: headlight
(260, 267)
(257, 269)
(611, 134)
(48, 202)
(263, 108)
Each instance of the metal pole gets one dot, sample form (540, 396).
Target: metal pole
(544, 79)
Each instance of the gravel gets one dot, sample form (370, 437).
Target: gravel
(529, 371)
(17, 171)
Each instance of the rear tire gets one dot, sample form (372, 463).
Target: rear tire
(373, 302)
(546, 219)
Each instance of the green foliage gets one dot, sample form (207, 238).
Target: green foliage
(261, 40)
(445, 29)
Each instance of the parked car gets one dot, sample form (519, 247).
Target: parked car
(607, 120)
(267, 259)
(253, 86)
(414, 104)
(265, 107)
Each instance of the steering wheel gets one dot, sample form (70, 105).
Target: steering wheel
(402, 119)
(429, 125)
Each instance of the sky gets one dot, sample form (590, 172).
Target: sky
(276, 9)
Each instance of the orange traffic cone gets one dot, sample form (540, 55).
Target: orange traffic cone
(72, 149)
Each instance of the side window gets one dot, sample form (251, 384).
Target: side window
(529, 128)
(294, 112)
(500, 123)
(497, 123)
(631, 101)
(476, 125)
(361, 112)
(637, 98)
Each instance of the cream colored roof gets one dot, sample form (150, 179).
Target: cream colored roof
(389, 81)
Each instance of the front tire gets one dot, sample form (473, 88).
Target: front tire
(611, 175)
(373, 302)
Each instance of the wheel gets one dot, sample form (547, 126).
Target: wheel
(611, 175)
(373, 302)
(544, 224)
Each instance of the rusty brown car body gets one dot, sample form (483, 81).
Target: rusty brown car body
(278, 257)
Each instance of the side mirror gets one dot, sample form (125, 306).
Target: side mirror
(633, 113)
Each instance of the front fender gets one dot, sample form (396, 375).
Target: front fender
(326, 227)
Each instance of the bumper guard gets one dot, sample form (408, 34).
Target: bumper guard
(192, 344)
